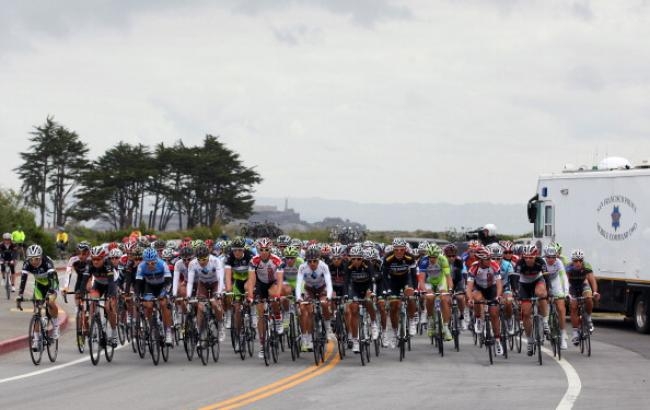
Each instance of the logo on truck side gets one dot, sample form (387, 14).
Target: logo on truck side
(617, 218)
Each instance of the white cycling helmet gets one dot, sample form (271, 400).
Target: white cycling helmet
(34, 251)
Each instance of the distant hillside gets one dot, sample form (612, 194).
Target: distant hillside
(509, 218)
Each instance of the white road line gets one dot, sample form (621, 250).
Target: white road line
(573, 381)
(49, 369)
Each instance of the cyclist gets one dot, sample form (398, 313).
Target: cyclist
(153, 277)
(506, 269)
(77, 264)
(399, 271)
(290, 265)
(236, 271)
(581, 283)
(360, 275)
(337, 266)
(531, 283)
(436, 278)
(61, 240)
(207, 270)
(459, 278)
(484, 284)
(264, 281)
(8, 256)
(316, 277)
(18, 238)
(558, 285)
(103, 284)
(179, 280)
(46, 284)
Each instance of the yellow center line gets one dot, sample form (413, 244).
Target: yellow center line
(279, 385)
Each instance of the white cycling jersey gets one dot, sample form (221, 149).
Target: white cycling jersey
(210, 273)
(180, 268)
(314, 279)
(559, 283)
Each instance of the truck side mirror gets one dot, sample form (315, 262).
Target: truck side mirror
(532, 209)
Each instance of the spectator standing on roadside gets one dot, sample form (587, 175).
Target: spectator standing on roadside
(62, 240)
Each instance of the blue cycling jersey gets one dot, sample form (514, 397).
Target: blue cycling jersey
(154, 275)
(506, 270)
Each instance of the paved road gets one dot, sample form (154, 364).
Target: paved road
(615, 376)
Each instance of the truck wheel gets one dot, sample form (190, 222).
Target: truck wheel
(641, 319)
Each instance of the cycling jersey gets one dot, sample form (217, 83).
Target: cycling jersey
(45, 277)
(436, 273)
(266, 271)
(359, 279)
(78, 265)
(211, 273)
(180, 269)
(456, 267)
(156, 275)
(557, 278)
(506, 269)
(577, 276)
(239, 267)
(482, 277)
(103, 278)
(314, 279)
(339, 277)
(530, 274)
(290, 273)
(7, 251)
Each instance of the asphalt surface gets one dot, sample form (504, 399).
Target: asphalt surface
(616, 376)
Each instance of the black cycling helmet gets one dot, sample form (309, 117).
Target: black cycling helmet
(312, 253)
(202, 251)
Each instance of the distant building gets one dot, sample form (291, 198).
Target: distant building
(266, 213)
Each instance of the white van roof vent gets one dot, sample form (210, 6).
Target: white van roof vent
(614, 163)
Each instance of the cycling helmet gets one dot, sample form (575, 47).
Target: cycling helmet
(296, 243)
(312, 253)
(210, 244)
(550, 252)
(264, 243)
(202, 251)
(159, 244)
(291, 252)
(558, 247)
(34, 251)
(112, 246)
(433, 250)
(186, 252)
(238, 243)
(283, 240)
(529, 250)
(355, 252)
(482, 252)
(577, 255)
(137, 252)
(6, 235)
(115, 253)
(368, 244)
(367, 254)
(374, 254)
(506, 245)
(518, 249)
(144, 242)
(196, 243)
(325, 249)
(450, 249)
(473, 244)
(496, 250)
(314, 246)
(423, 247)
(98, 252)
(167, 253)
(149, 255)
(276, 251)
(83, 246)
(399, 243)
(338, 251)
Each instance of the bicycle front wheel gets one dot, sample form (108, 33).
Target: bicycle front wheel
(215, 345)
(35, 345)
(95, 340)
(81, 331)
(154, 340)
(441, 347)
(52, 344)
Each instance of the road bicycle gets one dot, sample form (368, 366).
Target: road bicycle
(40, 332)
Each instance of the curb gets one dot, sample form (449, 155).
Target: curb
(21, 342)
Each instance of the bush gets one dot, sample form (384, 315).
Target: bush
(15, 215)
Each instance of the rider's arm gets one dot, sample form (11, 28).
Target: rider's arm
(299, 279)
(328, 281)
(190, 278)
(228, 278)
(220, 277)
(176, 279)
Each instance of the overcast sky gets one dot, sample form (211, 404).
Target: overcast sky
(373, 101)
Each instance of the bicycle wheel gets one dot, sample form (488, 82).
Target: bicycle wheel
(377, 341)
(250, 336)
(52, 344)
(340, 336)
(267, 344)
(489, 339)
(402, 338)
(154, 339)
(504, 335)
(215, 344)
(189, 338)
(202, 348)
(518, 333)
(538, 332)
(95, 340)
(81, 337)
(441, 347)
(275, 340)
(141, 336)
(362, 341)
(234, 331)
(164, 347)
(121, 323)
(35, 331)
(585, 337)
(109, 349)
(315, 337)
(292, 338)
(455, 328)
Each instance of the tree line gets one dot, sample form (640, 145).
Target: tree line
(132, 184)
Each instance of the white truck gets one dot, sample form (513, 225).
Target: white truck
(606, 212)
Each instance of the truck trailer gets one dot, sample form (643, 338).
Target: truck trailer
(604, 211)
